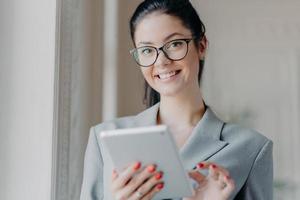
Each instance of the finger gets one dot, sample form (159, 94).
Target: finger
(221, 169)
(125, 176)
(229, 186)
(222, 183)
(153, 192)
(206, 164)
(213, 172)
(118, 196)
(149, 184)
(197, 176)
(138, 180)
(114, 175)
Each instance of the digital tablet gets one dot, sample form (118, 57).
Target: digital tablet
(149, 145)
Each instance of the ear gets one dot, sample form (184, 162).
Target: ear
(202, 46)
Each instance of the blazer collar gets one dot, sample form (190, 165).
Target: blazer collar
(204, 141)
(148, 117)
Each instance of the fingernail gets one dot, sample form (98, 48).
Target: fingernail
(151, 168)
(214, 166)
(228, 177)
(137, 166)
(200, 165)
(158, 176)
(160, 186)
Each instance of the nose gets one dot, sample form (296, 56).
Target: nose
(162, 59)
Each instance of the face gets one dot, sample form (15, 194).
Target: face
(168, 77)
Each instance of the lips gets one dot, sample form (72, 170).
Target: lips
(167, 75)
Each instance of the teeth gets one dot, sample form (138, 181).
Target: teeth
(166, 75)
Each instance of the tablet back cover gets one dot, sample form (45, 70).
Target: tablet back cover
(150, 145)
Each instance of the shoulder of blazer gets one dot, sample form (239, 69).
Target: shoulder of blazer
(144, 118)
(122, 122)
(245, 137)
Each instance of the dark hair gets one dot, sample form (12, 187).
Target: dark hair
(181, 9)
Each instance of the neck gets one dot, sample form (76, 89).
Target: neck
(185, 110)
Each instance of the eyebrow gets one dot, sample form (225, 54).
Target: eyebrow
(167, 38)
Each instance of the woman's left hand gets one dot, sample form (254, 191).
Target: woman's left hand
(217, 185)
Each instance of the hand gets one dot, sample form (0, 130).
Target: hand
(217, 185)
(136, 182)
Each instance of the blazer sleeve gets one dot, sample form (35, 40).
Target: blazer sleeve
(92, 185)
(259, 184)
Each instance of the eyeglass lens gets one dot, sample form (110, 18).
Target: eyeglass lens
(174, 50)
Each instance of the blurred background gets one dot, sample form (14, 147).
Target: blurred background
(65, 66)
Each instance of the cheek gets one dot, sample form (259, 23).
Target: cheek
(195, 71)
(194, 61)
(147, 73)
(196, 67)
(192, 65)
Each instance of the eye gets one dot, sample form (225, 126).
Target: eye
(175, 45)
(146, 51)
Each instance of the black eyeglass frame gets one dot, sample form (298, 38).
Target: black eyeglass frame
(187, 40)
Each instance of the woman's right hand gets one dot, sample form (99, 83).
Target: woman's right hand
(136, 182)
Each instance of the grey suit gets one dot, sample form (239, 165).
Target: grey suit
(245, 153)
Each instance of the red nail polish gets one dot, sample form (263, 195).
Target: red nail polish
(151, 168)
(158, 176)
(137, 166)
(214, 166)
(200, 165)
(160, 186)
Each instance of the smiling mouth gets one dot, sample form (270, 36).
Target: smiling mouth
(167, 75)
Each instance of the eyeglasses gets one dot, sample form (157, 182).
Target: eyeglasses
(174, 50)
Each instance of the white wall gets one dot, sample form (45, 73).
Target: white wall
(27, 61)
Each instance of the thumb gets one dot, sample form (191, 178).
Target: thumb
(197, 176)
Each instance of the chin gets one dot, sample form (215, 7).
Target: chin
(169, 92)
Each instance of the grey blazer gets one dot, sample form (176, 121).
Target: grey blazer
(245, 153)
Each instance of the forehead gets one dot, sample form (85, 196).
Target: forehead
(156, 27)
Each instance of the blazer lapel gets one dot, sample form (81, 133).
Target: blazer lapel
(204, 141)
(148, 117)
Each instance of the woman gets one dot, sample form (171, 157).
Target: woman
(170, 46)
